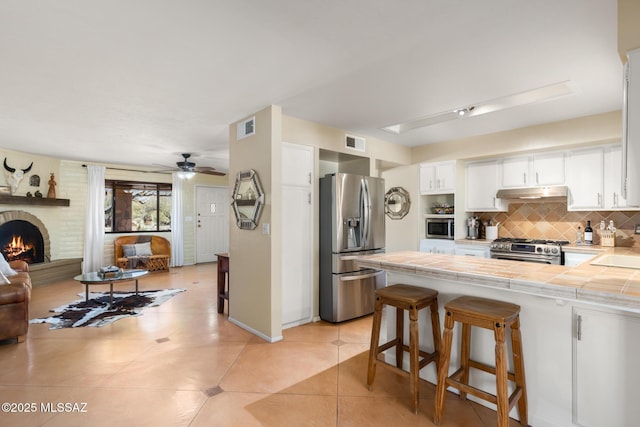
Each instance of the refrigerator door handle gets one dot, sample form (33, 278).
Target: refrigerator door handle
(365, 205)
(360, 276)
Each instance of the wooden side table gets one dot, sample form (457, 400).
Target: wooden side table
(223, 280)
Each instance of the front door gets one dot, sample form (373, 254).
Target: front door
(212, 222)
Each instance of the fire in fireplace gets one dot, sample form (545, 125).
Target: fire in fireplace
(21, 240)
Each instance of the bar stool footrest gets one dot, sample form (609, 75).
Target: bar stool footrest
(489, 369)
(453, 381)
(388, 345)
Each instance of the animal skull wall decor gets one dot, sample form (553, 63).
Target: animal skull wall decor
(16, 175)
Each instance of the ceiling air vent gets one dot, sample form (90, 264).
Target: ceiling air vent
(354, 142)
(246, 128)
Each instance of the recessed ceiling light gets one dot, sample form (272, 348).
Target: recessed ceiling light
(545, 93)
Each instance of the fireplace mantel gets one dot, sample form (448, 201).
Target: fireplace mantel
(24, 200)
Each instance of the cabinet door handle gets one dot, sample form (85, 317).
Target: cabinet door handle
(579, 327)
(537, 178)
(599, 199)
(615, 199)
(361, 276)
(524, 178)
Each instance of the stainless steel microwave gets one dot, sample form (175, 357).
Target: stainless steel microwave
(440, 228)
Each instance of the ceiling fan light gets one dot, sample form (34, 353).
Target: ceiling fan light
(185, 175)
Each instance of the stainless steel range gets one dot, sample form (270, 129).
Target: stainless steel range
(540, 251)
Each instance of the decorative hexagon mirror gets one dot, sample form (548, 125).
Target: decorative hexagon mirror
(248, 199)
(397, 203)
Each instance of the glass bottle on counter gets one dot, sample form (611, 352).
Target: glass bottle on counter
(579, 236)
(588, 234)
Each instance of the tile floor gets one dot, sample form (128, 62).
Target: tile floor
(183, 364)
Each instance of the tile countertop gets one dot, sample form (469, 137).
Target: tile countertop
(610, 286)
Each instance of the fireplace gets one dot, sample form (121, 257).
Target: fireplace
(23, 237)
(21, 240)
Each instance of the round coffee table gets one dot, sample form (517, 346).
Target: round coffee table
(94, 278)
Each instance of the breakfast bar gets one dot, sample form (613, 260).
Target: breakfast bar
(580, 327)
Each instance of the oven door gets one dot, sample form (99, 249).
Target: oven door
(540, 259)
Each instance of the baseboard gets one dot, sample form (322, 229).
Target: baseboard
(255, 332)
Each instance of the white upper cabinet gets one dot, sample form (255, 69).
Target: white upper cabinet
(631, 130)
(594, 178)
(613, 198)
(535, 170)
(585, 178)
(548, 169)
(482, 186)
(438, 178)
(515, 172)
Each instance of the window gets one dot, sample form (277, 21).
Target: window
(137, 206)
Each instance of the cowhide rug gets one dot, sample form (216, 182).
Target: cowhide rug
(96, 311)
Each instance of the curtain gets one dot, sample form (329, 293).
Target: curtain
(94, 226)
(177, 228)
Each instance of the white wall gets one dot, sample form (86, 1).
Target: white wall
(404, 234)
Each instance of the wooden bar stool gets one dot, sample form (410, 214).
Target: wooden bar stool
(413, 299)
(496, 316)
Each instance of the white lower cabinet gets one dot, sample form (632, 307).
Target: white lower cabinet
(571, 259)
(605, 368)
(481, 251)
(438, 246)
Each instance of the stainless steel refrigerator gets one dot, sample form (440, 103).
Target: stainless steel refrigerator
(351, 224)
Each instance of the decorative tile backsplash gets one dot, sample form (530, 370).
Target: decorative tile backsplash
(539, 220)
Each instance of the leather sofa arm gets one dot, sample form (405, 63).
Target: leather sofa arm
(14, 293)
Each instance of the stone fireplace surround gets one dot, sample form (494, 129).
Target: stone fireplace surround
(50, 270)
(8, 216)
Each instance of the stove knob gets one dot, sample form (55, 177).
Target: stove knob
(547, 250)
(554, 250)
(539, 250)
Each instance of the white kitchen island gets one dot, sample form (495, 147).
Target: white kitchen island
(580, 329)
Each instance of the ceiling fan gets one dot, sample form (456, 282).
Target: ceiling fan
(187, 169)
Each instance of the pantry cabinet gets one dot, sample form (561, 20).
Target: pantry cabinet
(631, 129)
(438, 178)
(535, 170)
(482, 185)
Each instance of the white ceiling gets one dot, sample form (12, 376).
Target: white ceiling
(138, 82)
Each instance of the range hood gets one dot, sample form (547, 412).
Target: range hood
(533, 193)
